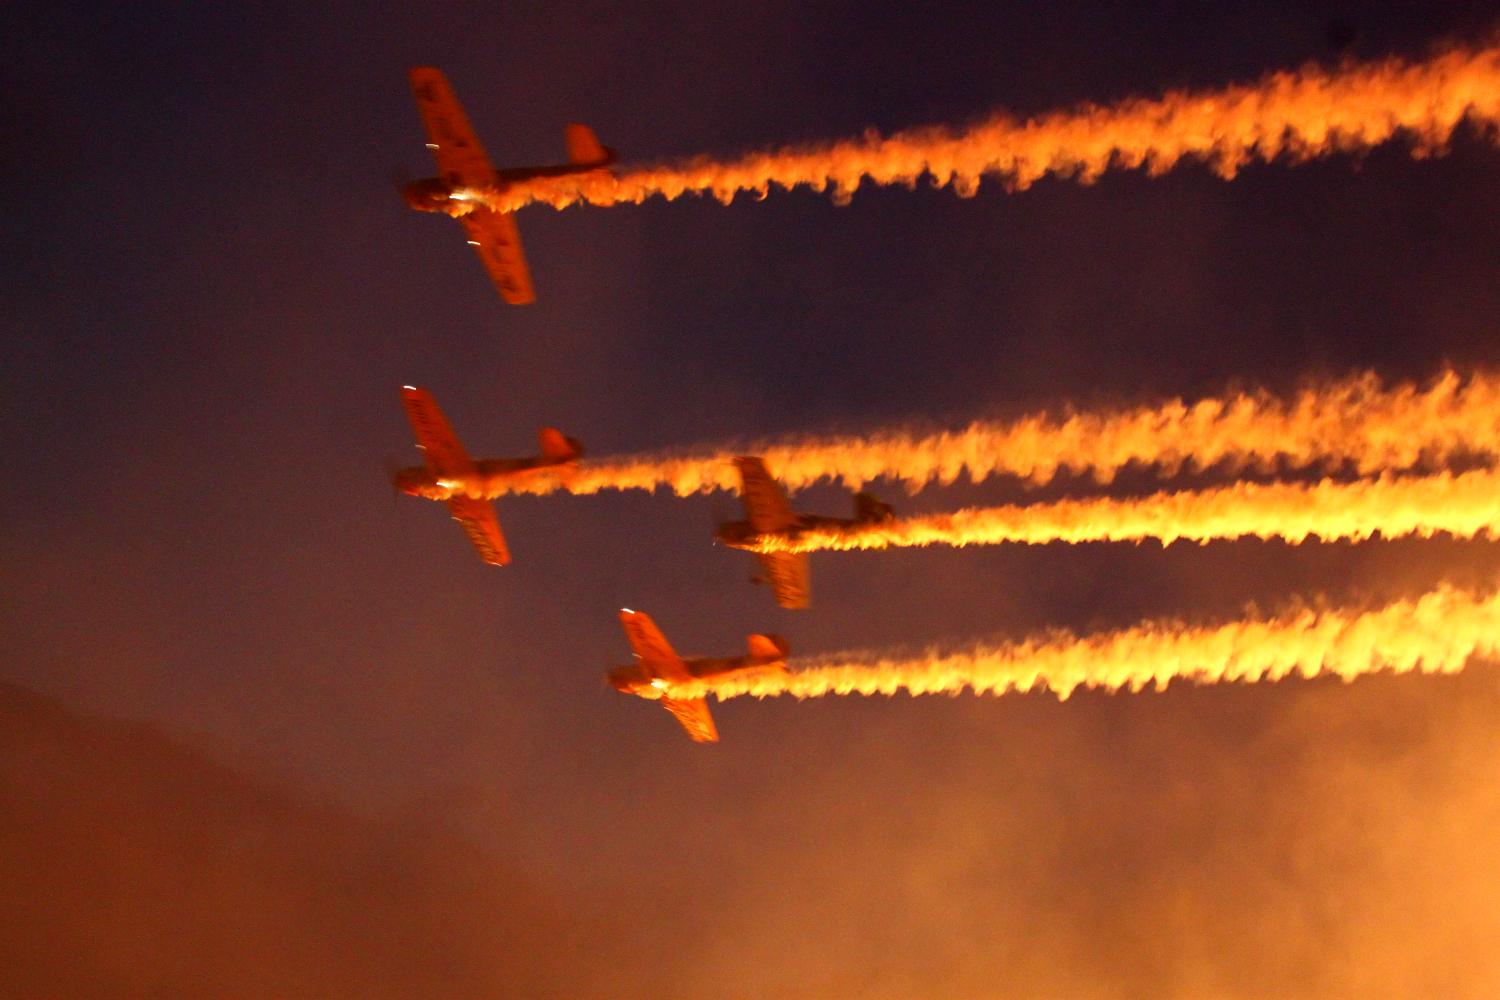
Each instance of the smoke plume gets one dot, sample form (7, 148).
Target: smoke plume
(1298, 114)
(1436, 633)
(1355, 421)
(1464, 506)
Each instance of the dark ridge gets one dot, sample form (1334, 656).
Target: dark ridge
(136, 867)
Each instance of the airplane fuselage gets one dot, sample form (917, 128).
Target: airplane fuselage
(449, 196)
(868, 510)
(491, 477)
(633, 679)
(741, 535)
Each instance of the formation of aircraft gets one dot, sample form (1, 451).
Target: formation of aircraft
(467, 485)
(466, 178)
(657, 669)
(769, 516)
(465, 173)
(465, 189)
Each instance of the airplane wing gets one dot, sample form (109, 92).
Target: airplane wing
(652, 647)
(477, 518)
(765, 504)
(789, 578)
(455, 147)
(440, 446)
(495, 239)
(694, 716)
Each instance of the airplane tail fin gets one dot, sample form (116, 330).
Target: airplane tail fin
(585, 148)
(869, 508)
(557, 447)
(769, 645)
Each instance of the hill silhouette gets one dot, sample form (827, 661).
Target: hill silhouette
(133, 866)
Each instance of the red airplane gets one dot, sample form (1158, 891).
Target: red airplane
(467, 174)
(467, 485)
(657, 670)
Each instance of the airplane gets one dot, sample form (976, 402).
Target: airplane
(465, 170)
(657, 668)
(466, 484)
(769, 516)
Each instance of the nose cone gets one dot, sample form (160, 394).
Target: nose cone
(412, 195)
(425, 195)
(735, 534)
(627, 680)
(414, 481)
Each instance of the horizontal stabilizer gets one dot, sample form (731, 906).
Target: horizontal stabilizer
(558, 448)
(769, 645)
(584, 148)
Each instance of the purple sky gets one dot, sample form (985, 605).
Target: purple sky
(212, 294)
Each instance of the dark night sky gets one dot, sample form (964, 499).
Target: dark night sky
(212, 294)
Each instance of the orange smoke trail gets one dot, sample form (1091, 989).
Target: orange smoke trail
(1437, 633)
(1353, 421)
(1464, 506)
(1298, 114)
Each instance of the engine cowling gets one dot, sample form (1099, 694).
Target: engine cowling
(427, 195)
(418, 481)
(632, 680)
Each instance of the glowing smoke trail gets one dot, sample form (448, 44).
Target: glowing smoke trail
(1354, 421)
(1465, 506)
(1298, 114)
(1437, 633)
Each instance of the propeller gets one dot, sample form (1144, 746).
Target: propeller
(400, 177)
(719, 513)
(392, 470)
(609, 664)
(399, 525)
